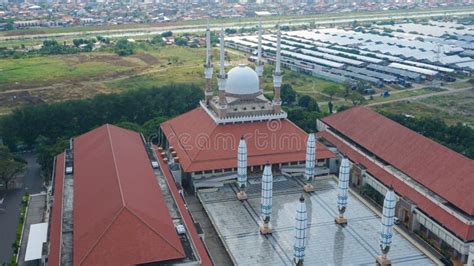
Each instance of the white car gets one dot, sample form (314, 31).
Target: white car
(155, 164)
(180, 229)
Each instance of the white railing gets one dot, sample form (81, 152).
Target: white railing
(417, 187)
(241, 119)
(442, 233)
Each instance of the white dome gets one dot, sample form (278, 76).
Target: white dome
(242, 80)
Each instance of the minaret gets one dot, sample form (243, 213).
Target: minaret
(388, 215)
(301, 234)
(342, 191)
(242, 168)
(260, 65)
(208, 67)
(267, 190)
(310, 163)
(222, 76)
(277, 77)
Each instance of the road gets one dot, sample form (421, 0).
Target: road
(418, 97)
(336, 19)
(10, 207)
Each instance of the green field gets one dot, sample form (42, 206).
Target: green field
(421, 109)
(26, 73)
(57, 78)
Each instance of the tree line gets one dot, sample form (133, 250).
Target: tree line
(48, 127)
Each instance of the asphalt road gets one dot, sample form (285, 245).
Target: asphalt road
(10, 206)
(337, 18)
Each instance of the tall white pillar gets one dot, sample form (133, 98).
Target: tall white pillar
(208, 67)
(222, 78)
(386, 226)
(242, 168)
(343, 188)
(277, 79)
(310, 162)
(301, 231)
(266, 202)
(259, 68)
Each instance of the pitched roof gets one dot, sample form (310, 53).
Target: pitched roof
(443, 171)
(54, 257)
(198, 243)
(203, 145)
(443, 217)
(120, 215)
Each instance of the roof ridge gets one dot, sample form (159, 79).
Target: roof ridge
(207, 140)
(101, 235)
(115, 164)
(153, 229)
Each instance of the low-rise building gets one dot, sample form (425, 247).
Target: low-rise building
(435, 184)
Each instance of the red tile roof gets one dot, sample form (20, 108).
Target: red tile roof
(203, 145)
(204, 258)
(444, 171)
(456, 226)
(120, 215)
(55, 229)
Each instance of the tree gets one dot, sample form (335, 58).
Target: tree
(157, 40)
(50, 43)
(342, 108)
(310, 104)
(288, 94)
(77, 42)
(10, 166)
(180, 41)
(230, 31)
(356, 98)
(304, 101)
(151, 128)
(129, 125)
(123, 47)
(167, 34)
(347, 87)
(331, 91)
(471, 81)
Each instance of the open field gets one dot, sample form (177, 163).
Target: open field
(39, 71)
(452, 108)
(57, 78)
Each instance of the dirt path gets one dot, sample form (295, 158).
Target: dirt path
(417, 97)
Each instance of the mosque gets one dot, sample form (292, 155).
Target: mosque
(202, 144)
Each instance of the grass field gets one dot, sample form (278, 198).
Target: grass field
(46, 70)
(57, 78)
(453, 108)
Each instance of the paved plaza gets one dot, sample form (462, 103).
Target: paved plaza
(328, 243)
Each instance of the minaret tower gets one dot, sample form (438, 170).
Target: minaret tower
(388, 215)
(242, 169)
(310, 162)
(277, 77)
(208, 69)
(342, 191)
(222, 77)
(267, 191)
(301, 234)
(260, 65)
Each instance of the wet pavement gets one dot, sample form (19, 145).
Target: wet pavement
(10, 206)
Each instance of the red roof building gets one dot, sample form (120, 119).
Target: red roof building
(437, 180)
(119, 214)
(202, 145)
